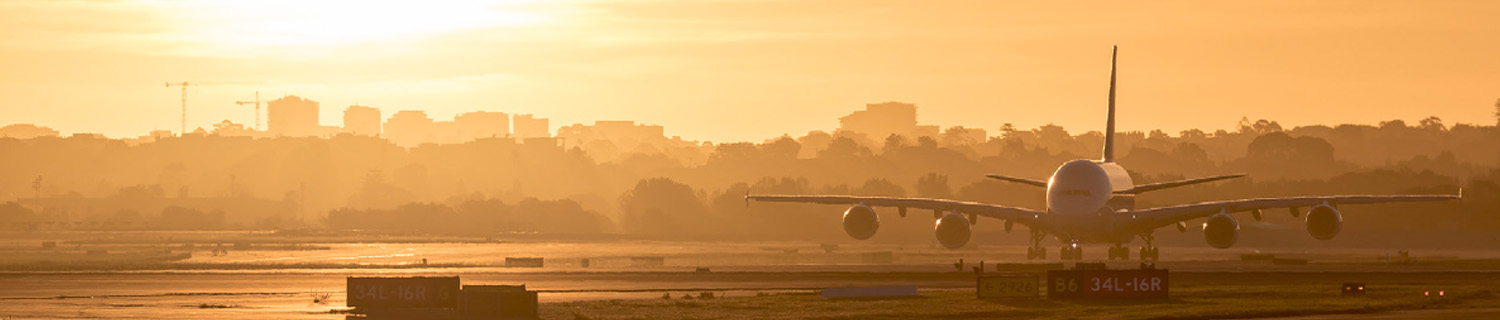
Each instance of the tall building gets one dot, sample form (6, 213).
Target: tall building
(880, 120)
(293, 116)
(530, 127)
(480, 124)
(409, 128)
(362, 120)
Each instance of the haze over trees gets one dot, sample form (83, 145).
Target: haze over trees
(500, 185)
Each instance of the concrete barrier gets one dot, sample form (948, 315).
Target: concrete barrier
(1257, 257)
(648, 261)
(882, 257)
(870, 292)
(523, 262)
(1289, 261)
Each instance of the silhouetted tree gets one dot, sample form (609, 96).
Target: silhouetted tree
(933, 185)
(781, 149)
(880, 187)
(179, 218)
(663, 206)
(12, 212)
(1258, 127)
(1432, 123)
(893, 143)
(844, 148)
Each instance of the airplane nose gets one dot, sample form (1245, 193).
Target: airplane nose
(1078, 187)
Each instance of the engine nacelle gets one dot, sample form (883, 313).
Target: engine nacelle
(952, 230)
(1221, 230)
(1324, 222)
(860, 222)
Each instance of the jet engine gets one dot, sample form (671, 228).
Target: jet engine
(1221, 230)
(860, 222)
(952, 230)
(1324, 222)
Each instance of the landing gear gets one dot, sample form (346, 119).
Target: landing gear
(1119, 252)
(1148, 252)
(1072, 252)
(1036, 251)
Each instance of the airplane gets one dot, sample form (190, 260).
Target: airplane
(1093, 201)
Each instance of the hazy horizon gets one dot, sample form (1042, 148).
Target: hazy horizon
(752, 70)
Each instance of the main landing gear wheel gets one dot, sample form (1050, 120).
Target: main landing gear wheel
(1119, 252)
(1036, 251)
(1149, 252)
(1072, 253)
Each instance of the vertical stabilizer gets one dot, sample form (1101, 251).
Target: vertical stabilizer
(1109, 127)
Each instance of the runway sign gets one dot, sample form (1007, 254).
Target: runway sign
(403, 293)
(1107, 284)
(993, 287)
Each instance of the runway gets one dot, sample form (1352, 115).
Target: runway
(262, 290)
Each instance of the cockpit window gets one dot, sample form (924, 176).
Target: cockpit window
(1076, 192)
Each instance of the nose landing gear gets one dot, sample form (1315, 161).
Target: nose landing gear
(1072, 252)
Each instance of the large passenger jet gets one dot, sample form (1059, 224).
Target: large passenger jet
(1093, 201)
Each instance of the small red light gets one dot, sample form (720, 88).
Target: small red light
(1440, 293)
(1426, 293)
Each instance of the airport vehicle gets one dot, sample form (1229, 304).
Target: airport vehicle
(1093, 201)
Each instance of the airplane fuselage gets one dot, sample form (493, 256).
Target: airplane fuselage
(1082, 204)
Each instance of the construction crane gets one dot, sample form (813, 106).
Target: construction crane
(186, 84)
(257, 108)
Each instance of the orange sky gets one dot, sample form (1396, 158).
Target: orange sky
(749, 70)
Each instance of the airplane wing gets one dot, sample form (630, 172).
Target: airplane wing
(1020, 215)
(1150, 219)
(1173, 184)
(1038, 183)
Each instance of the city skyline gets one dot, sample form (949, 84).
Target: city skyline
(727, 72)
(875, 121)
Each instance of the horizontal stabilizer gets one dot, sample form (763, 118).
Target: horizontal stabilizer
(1038, 183)
(1173, 184)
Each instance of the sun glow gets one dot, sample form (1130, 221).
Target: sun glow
(279, 24)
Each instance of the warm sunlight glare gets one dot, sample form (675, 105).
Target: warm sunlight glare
(332, 23)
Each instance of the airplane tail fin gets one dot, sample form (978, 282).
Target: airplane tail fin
(1109, 127)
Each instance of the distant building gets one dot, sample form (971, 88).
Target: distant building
(293, 116)
(362, 120)
(624, 134)
(26, 131)
(607, 140)
(88, 135)
(409, 128)
(964, 136)
(444, 132)
(480, 124)
(529, 127)
(161, 134)
(924, 131)
(880, 120)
